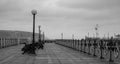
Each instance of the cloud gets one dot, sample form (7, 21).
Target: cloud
(89, 4)
(91, 10)
(9, 6)
(56, 16)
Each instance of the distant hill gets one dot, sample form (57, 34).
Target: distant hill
(17, 34)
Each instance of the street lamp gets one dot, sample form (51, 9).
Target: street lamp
(39, 34)
(61, 36)
(43, 38)
(34, 12)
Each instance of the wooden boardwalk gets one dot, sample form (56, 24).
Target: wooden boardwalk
(51, 54)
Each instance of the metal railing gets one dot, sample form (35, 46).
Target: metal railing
(108, 49)
(6, 42)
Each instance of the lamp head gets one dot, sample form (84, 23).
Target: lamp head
(39, 26)
(34, 12)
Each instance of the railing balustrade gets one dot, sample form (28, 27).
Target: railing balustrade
(108, 49)
(6, 42)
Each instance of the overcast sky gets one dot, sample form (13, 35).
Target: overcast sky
(69, 17)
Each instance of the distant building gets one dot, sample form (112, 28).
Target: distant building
(117, 36)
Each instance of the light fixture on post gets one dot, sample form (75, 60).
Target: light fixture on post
(34, 12)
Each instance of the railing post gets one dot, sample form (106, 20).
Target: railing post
(81, 45)
(101, 49)
(84, 46)
(110, 47)
(89, 45)
(78, 45)
(94, 44)
(0, 42)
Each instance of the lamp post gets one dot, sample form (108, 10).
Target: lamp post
(73, 41)
(39, 34)
(34, 12)
(96, 29)
(61, 36)
(43, 38)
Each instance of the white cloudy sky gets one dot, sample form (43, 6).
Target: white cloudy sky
(69, 17)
